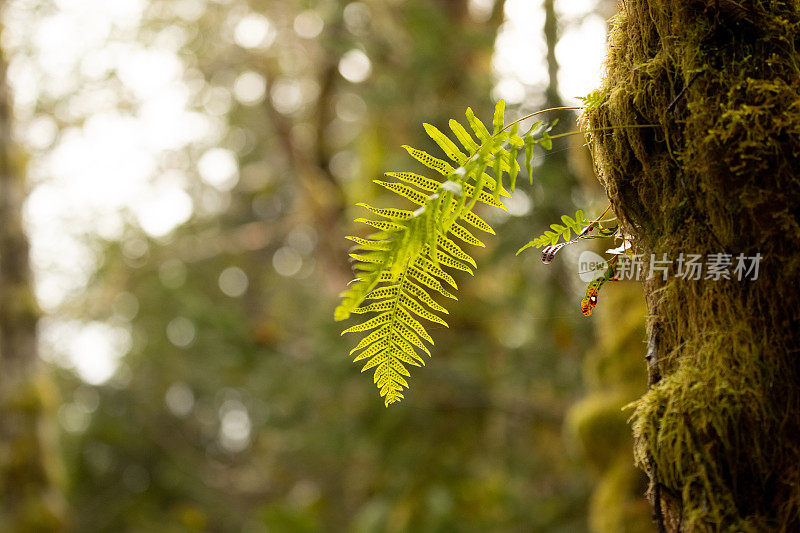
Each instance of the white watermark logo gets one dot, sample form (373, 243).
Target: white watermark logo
(591, 266)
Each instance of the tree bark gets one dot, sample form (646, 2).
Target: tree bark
(28, 499)
(718, 431)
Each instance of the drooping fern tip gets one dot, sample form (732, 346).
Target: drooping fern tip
(411, 253)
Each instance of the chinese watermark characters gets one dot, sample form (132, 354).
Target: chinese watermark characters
(694, 267)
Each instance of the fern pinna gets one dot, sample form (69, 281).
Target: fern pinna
(410, 256)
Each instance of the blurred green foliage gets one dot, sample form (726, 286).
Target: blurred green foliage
(237, 407)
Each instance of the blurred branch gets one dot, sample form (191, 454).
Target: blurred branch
(319, 186)
(323, 118)
(552, 96)
(248, 237)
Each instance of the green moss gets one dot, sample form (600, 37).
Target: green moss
(719, 435)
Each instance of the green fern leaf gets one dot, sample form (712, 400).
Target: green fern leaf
(463, 137)
(383, 292)
(514, 171)
(374, 348)
(371, 308)
(497, 168)
(594, 99)
(412, 323)
(448, 261)
(529, 159)
(477, 126)
(557, 231)
(403, 333)
(429, 281)
(373, 322)
(391, 214)
(415, 307)
(498, 120)
(442, 167)
(419, 292)
(464, 234)
(453, 249)
(406, 352)
(381, 224)
(372, 245)
(405, 191)
(368, 258)
(545, 141)
(401, 266)
(377, 335)
(447, 146)
(430, 185)
(474, 220)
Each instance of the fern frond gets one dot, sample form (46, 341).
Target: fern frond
(559, 231)
(401, 267)
(594, 99)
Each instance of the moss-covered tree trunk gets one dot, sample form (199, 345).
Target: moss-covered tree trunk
(718, 432)
(28, 499)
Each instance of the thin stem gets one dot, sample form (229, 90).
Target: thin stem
(590, 227)
(604, 129)
(602, 214)
(560, 108)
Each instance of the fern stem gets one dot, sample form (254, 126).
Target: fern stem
(631, 126)
(602, 214)
(560, 108)
(589, 228)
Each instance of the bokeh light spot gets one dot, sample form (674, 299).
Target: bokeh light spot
(308, 25)
(180, 332)
(179, 399)
(254, 31)
(233, 281)
(249, 88)
(219, 168)
(355, 66)
(287, 261)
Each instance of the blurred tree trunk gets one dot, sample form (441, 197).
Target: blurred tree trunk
(552, 96)
(613, 379)
(718, 433)
(28, 500)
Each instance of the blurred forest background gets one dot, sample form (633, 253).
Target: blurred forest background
(190, 169)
